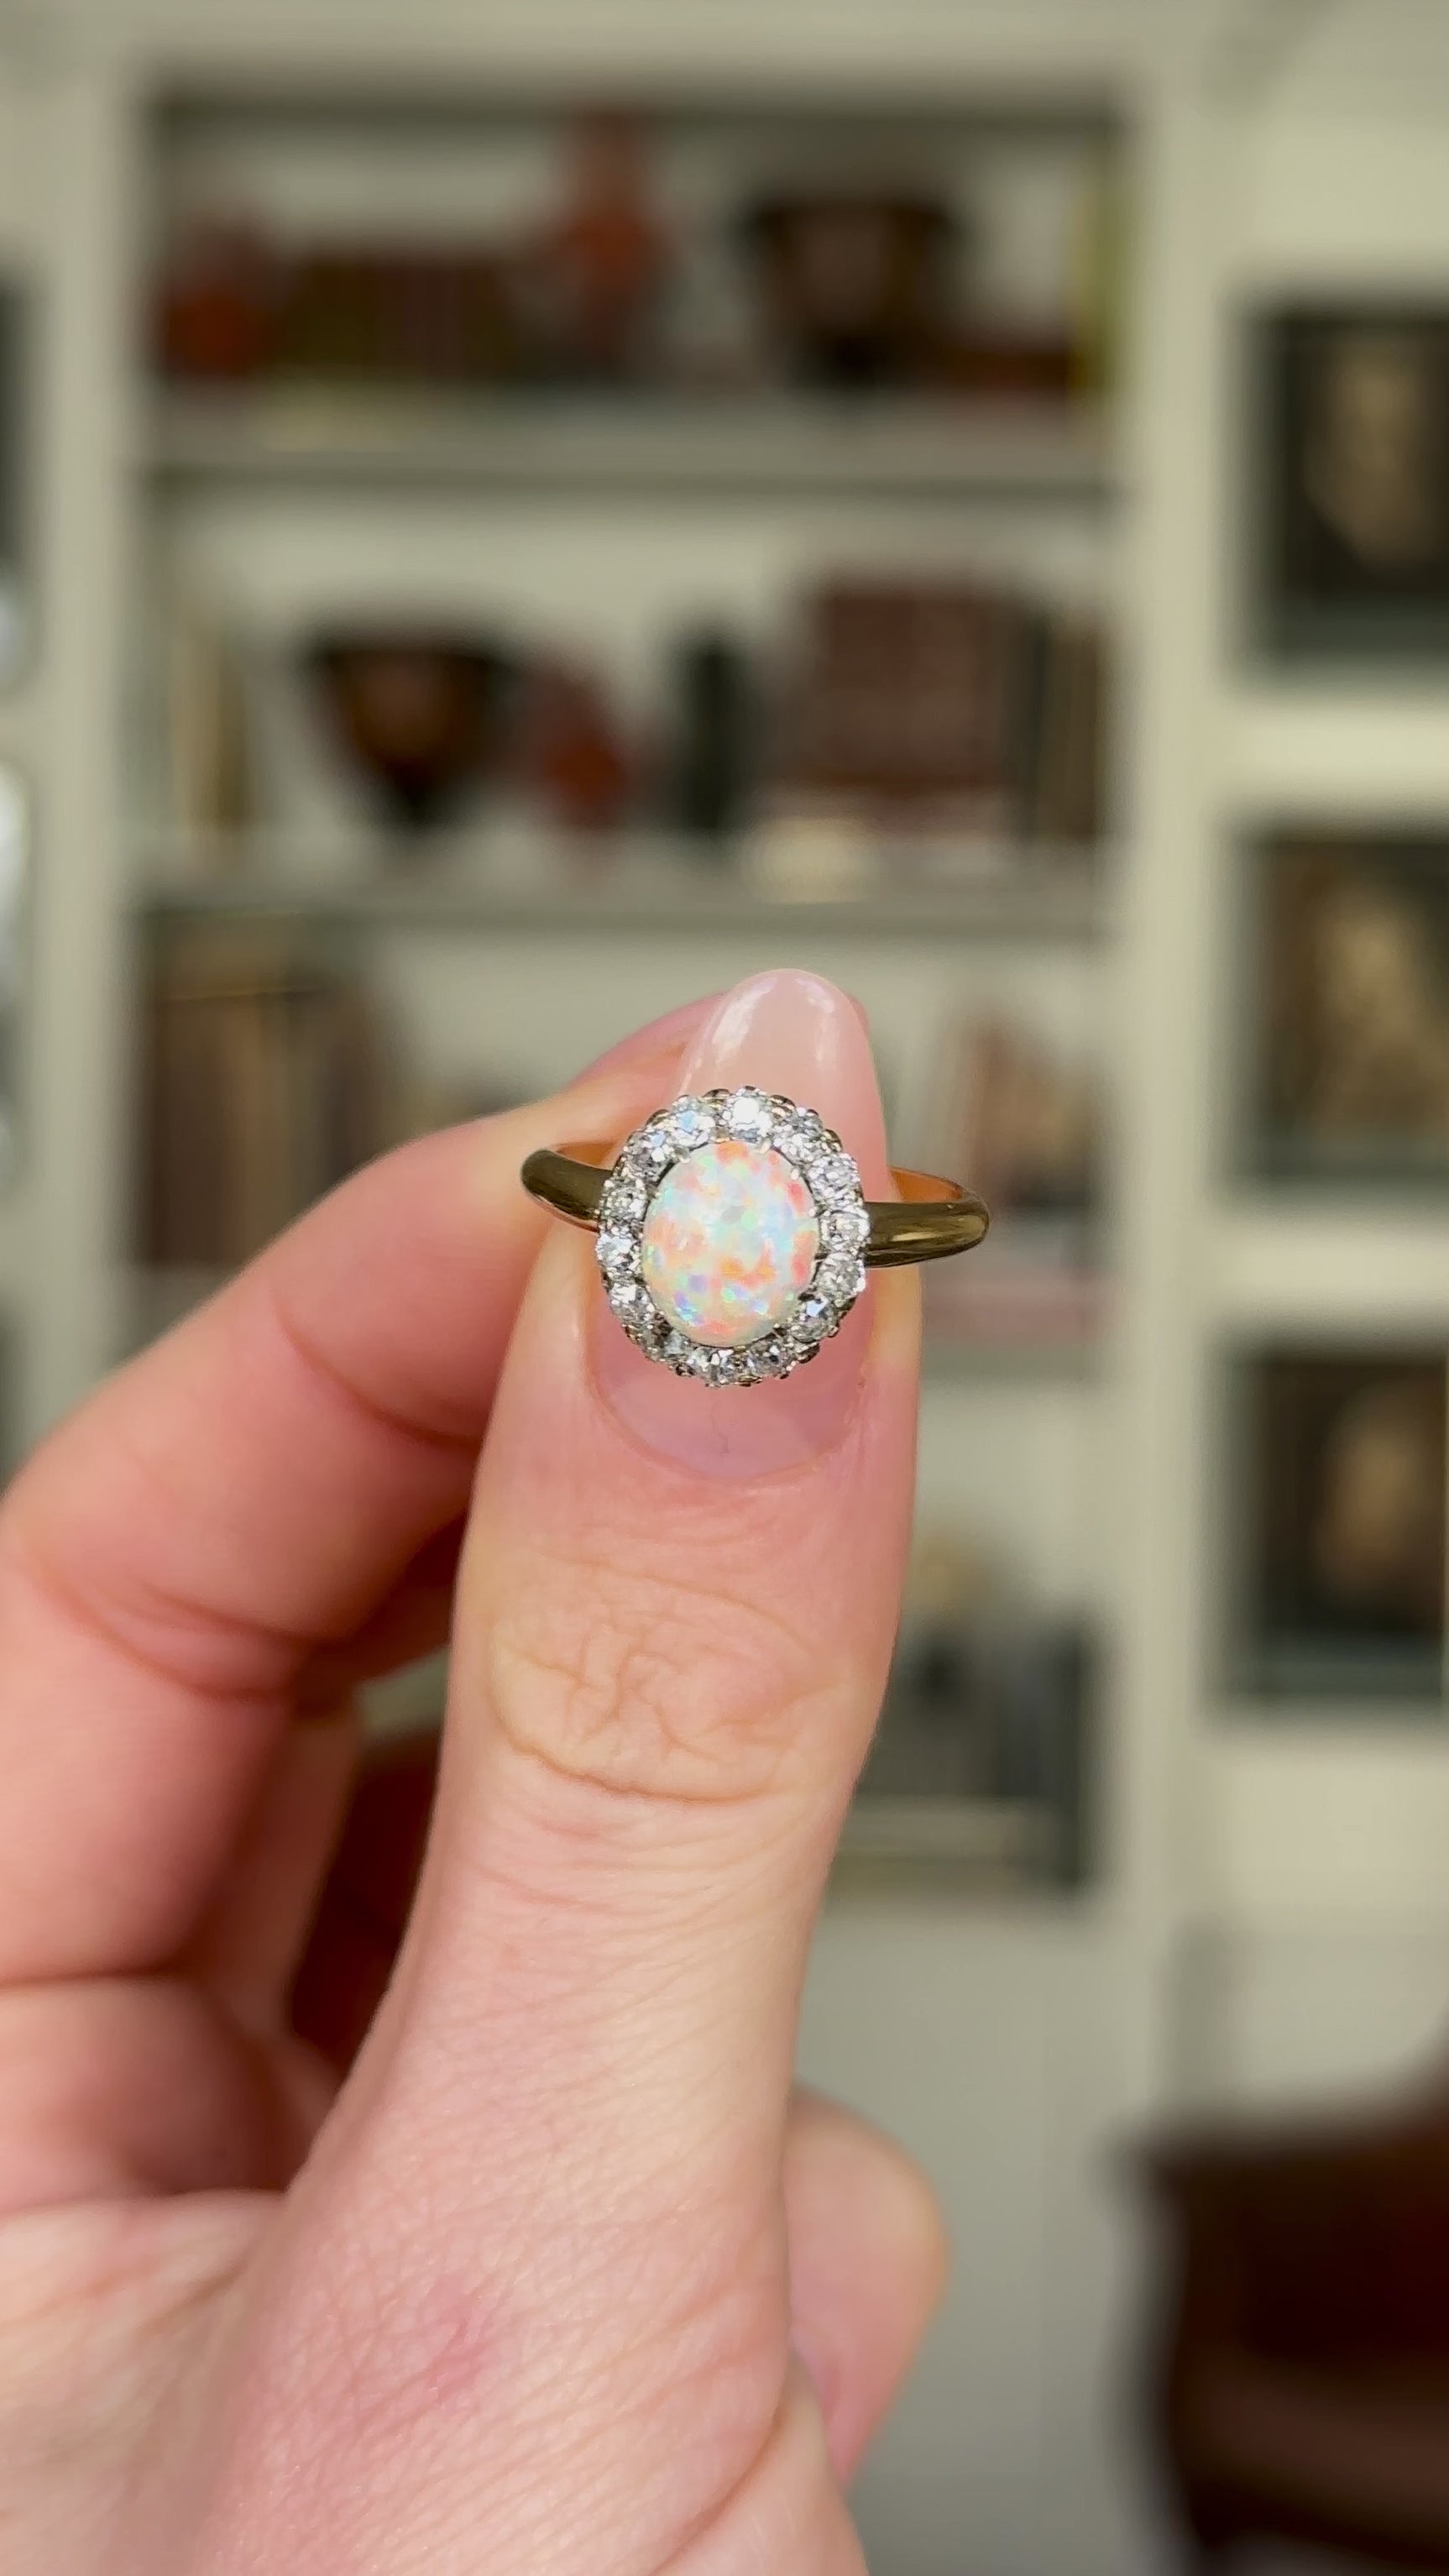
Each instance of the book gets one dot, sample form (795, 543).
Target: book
(936, 707)
(266, 1080)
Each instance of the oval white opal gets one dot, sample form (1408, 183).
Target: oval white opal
(730, 1240)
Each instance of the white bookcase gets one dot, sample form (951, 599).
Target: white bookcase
(614, 521)
(1271, 1906)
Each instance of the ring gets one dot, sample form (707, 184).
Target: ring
(733, 1234)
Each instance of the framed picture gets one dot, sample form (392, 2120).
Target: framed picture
(1339, 1587)
(1353, 419)
(1022, 1112)
(1349, 1081)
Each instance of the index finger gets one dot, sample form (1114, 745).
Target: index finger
(239, 1497)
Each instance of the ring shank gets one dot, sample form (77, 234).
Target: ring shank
(931, 1219)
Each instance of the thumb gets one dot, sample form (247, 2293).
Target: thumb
(541, 2248)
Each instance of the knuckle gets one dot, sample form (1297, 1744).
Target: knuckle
(626, 1681)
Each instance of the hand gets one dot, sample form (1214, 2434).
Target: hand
(558, 2281)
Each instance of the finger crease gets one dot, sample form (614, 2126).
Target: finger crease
(451, 1439)
(85, 1611)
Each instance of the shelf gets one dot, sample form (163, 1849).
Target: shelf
(1340, 747)
(1360, 1269)
(945, 1357)
(1001, 1841)
(1394, 1721)
(1030, 897)
(764, 443)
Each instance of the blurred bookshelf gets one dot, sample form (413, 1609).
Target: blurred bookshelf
(989, 1845)
(1048, 896)
(764, 445)
(745, 626)
(745, 616)
(680, 547)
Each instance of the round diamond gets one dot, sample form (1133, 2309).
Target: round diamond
(625, 1199)
(835, 1177)
(627, 1299)
(798, 1133)
(813, 1319)
(769, 1358)
(712, 1368)
(841, 1278)
(749, 1114)
(689, 1124)
(729, 1243)
(649, 1151)
(616, 1254)
(847, 1228)
(648, 1327)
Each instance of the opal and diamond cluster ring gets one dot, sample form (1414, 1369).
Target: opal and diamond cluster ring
(733, 1236)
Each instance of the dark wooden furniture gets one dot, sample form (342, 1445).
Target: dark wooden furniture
(1299, 2388)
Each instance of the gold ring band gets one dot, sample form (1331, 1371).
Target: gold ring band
(931, 1219)
(732, 1235)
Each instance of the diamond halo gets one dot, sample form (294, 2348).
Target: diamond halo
(813, 1152)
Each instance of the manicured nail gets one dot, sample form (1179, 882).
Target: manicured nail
(655, 1038)
(793, 1033)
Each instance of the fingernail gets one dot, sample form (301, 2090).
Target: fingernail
(655, 1038)
(795, 1033)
